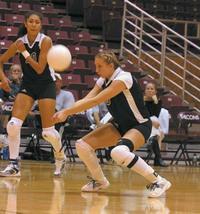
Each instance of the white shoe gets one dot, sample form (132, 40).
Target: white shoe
(10, 171)
(158, 188)
(95, 186)
(60, 165)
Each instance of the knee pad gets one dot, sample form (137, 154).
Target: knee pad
(14, 126)
(126, 142)
(123, 157)
(51, 135)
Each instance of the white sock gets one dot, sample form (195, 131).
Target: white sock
(51, 135)
(14, 132)
(88, 156)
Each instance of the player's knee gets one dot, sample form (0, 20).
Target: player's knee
(51, 135)
(121, 153)
(14, 126)
(82, 147)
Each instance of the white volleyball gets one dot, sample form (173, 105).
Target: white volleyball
(59, 57)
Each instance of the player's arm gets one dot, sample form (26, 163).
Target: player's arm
(42, 61)
(4, 84)
(114, 89)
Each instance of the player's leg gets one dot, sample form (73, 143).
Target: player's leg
(124, 156)
(50, 134)
(105, 136)
(21, 108)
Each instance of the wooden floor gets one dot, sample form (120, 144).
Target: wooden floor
(37, 191)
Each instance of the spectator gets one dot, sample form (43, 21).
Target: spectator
(154, 106)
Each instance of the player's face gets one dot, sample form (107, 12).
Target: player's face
(150, 90)
(33, 24)
(103, 69)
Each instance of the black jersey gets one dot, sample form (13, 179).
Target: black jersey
(29, 74)
(154, 108)
(127, 108)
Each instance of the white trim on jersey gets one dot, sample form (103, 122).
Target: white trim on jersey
(133, 107)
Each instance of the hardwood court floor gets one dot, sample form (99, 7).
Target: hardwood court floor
(37, 191)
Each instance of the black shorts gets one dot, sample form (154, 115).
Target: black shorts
(143, 128)
(39, 91)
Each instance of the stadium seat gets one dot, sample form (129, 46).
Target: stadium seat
(78, 67)
(63, 23)
(8, 32)
(4, 44)
(60, 37)
(84, 38)
(171, 100)
(90, 80)
(4, 8)
(47, 10)
(14, 19)
(93, 13)
(74, 7)
(112, 25)
(80, 52)
(20, 8)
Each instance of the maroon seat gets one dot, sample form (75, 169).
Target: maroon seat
(20, 8)
(78, 67)
(80, 52)
(60, 37)
(4, 44)
(47, 10)
(63, 23)
(4, 8)
(90, 80)
(171, 100)
(130, 67)
(14, 19)
(84, 38)
(8, 32)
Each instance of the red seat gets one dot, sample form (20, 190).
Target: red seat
(171, 100)
(78, 67)
(130, 67)
(73, 82)
(63, 23)
(84, 38)
(4, 8)
(20, 7)
(8, 32)
(80, 52)
(60, 37)
(90, 80)
(14, 19)
(4, 44)
(47, 10)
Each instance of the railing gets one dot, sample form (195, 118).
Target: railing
(167, 56)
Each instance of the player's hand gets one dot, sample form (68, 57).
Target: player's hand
(20, 46)
(4, 84)
(60, 116)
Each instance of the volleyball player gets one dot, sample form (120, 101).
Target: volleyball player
(129, 130)
(38, 83)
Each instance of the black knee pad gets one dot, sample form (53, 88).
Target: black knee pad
(126, 142)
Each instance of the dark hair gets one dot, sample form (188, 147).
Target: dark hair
(109, 57)
(22, 30)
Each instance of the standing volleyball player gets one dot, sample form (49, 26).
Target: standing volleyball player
(38, 83)
(129, 130)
